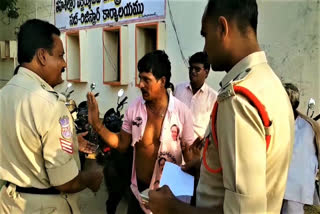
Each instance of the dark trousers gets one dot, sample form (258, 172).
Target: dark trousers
(133, 203)
(117, 174)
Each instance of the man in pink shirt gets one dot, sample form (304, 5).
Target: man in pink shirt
(147, 127)
(196, 94)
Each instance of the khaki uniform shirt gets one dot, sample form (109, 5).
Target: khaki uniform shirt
(38, 144)
(252, 180)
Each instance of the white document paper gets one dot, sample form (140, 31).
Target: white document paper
(179, 182)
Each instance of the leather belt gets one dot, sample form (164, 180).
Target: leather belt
(32, 190)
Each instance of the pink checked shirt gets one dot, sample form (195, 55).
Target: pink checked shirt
(177, 116)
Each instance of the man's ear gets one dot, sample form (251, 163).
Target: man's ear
(207, 72)
(163, 81)
(223, 27)
(41, 55)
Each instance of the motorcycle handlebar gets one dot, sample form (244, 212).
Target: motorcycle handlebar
(120, 105)
(123, 101)
(316, 117)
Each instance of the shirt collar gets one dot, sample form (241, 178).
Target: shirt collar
(244, 64)
(202, 89)
(28, 73)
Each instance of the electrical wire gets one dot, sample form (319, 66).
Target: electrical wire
(114, 66)
(185, 61)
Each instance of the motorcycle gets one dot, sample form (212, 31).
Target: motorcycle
(116, 165)
(70, 103)
(311, 106)
(113, 119)
(82, 125)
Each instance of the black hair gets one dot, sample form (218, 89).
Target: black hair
(244, 12)
(293, 93)
(158, 63)
(171, 87)
(200, 57)
(35, 34)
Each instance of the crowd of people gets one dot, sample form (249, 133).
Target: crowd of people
(247, 146)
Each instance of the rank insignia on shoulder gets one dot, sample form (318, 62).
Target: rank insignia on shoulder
(65, 127)
(66, 146)
(226, 93)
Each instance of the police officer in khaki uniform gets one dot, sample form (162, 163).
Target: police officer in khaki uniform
(245, 161)
(38, 146)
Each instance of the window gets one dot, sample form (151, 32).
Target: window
(8, 60)
(115, 55)
(73, 56)
(149, 37)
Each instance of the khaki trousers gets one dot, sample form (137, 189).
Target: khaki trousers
(23, 203)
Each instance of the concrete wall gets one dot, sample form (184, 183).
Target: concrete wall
(288, 31)
(42, 9)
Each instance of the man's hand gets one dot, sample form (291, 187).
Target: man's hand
(90, 178)
(93, 111)
(84, 145)
(196, 147)
(193, 167)
(193, 151)
(161, 201)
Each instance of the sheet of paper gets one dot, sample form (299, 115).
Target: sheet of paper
(179, 182)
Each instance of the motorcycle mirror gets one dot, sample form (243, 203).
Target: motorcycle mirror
(92, 86)
(311, 103)
(68, 86)
(120, 93)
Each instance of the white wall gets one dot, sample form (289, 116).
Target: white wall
(288, 31)
(187, 18)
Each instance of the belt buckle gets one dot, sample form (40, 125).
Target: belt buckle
(11, 190)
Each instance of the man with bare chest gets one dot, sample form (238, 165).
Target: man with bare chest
(147, 127)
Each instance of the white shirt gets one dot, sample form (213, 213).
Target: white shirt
(200, 104)
(303, 166)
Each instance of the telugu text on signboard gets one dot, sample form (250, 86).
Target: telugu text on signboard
(72, 14)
